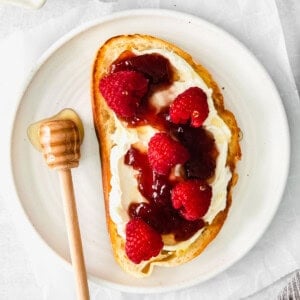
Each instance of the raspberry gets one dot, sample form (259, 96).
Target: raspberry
(142, 241)
(189, 105)
(123, 91)
(164, 153)
(192, 198)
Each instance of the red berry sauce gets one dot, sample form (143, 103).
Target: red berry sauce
(159, 212)
(154, 66)
(202, 148)
(158, 70)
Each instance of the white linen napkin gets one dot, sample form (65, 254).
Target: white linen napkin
(286, 288)
(256, 23)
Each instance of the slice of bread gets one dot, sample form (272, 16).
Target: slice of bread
(105, 126)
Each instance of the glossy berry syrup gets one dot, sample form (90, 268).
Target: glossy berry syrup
(158, 70)
(202, 149)
(158, 212)
(154, 66)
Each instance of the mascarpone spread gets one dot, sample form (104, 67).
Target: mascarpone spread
(124, 189)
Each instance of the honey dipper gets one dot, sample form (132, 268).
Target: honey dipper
(60, 141)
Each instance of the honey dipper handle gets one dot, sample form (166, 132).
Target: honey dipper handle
(73, 231)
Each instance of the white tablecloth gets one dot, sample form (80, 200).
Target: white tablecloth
(28, 270)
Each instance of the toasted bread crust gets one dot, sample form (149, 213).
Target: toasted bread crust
(104, 125)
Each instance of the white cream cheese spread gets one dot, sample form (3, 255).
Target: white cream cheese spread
(124, 187)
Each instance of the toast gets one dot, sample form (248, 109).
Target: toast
(106, 122)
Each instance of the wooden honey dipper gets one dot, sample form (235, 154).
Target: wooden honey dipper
(60, 141)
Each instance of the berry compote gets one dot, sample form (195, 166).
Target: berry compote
(158, 211)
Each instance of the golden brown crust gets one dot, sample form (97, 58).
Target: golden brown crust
(104, 124)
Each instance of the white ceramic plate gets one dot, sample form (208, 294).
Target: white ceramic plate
(62, 80)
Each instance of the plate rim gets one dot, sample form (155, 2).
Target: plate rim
(46, 55)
